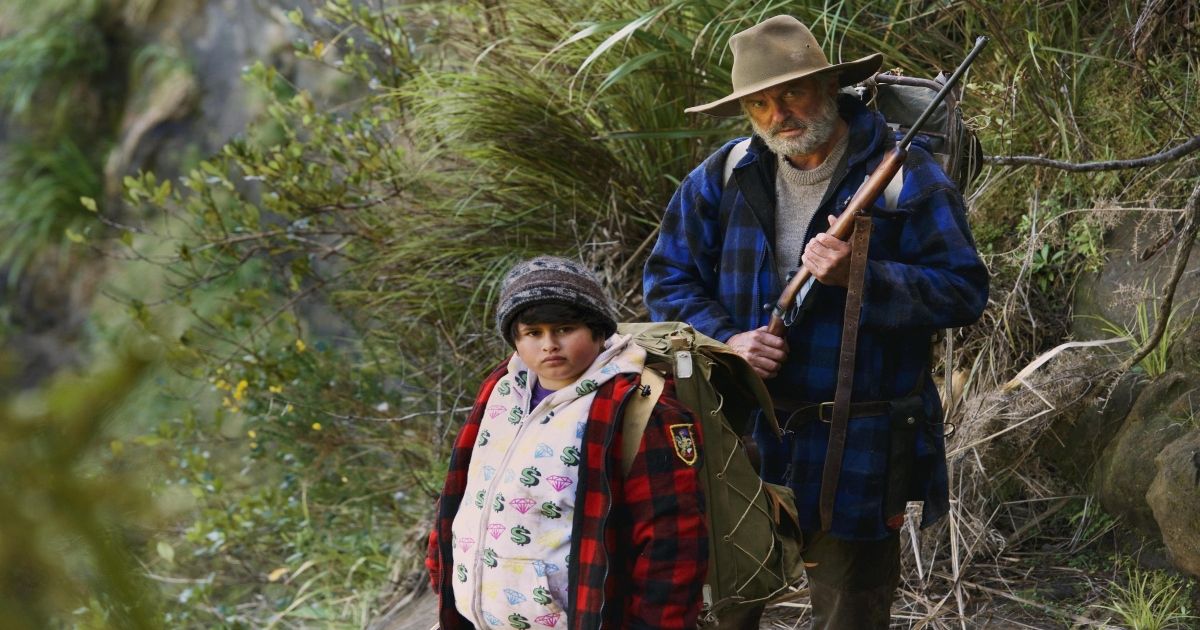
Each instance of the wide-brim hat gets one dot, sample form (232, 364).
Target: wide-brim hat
(778, 50)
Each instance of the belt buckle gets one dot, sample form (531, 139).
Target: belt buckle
(821, 412)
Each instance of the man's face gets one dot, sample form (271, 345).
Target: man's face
(795, 118)
(558, 353)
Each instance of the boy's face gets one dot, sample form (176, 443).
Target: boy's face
(558, 353)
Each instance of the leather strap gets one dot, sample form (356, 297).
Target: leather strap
(794, 417)
(845, 380)
(637, 415)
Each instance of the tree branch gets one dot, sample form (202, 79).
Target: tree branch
(1083, 167)
(1188, 234)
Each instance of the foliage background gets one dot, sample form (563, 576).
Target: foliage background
(319, 291)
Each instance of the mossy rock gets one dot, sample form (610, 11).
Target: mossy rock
(1174, 497)
(1075, 442)
(1161, 415)
(1140, 261)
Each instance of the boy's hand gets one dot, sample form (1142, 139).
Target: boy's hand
(762, 350)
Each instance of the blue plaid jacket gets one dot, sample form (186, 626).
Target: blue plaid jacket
(713, 267)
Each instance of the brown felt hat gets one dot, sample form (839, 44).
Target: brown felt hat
(778, 50)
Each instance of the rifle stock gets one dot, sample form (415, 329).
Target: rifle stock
(867, 194)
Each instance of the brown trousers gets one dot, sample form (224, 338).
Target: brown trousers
(851, 584)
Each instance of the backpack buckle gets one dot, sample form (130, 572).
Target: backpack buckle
(827, 419)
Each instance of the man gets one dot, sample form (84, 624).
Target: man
(723, 256)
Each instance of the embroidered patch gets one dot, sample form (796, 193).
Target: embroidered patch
(684, 442)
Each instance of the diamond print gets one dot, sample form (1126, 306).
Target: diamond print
(559, 482)
(514, 597)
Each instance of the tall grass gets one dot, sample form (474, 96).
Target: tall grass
(1155, 363)
(1151, 600)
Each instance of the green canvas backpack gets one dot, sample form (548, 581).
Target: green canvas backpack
(753, 528)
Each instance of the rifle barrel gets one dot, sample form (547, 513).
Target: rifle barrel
(980, 42)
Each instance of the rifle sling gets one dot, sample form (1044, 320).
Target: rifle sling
(845, 380)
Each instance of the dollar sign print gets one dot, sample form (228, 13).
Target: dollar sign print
(517, 621)
(484, 435)
(541, 596)
(479, 499)
(586, 387)
(550, 510)
(504, 388)
(462, 573)
(570, 456)
(489, 557)
(498, 502)
(522, 378)
(529, 476)
(514, 416)
(520, 535)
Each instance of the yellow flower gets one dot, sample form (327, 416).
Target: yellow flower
(221, 384)
(275, 389)
(286, 410)
(316, 426)
(240, 392)
(253, 445)
(251, 434)
(300, 346)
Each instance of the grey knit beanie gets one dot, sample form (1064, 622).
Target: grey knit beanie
(548, 279)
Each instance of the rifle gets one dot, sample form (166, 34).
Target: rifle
(867, 193)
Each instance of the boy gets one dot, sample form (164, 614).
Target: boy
(539, 525)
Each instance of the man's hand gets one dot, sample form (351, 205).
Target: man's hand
(762, 350)
(827, 258)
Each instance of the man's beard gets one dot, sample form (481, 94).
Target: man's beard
(817, 131)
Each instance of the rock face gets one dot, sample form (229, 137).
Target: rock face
(182, 104)
(1074, 443)
(1126, 467)
(1174, 497)
(1136, 271)
(1148, 471)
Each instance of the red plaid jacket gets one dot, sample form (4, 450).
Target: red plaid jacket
(639, 544)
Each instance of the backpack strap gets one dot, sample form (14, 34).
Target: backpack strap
(891, 194)
(735, 155)
(637, 415)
